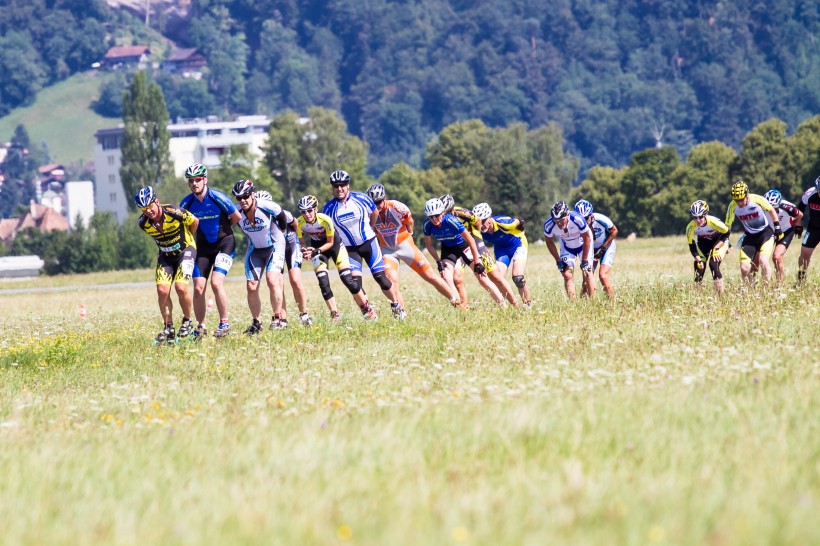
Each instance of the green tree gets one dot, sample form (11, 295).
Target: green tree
(145, 154)
(804, 154)
(642, 185)
(763, 162)
(135, 249)
(602, 188)
(302, 152)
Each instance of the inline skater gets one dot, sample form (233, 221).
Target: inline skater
(761, 228)
(172, 229)
(789, 216)
(394, 228)
(604, 231)
(321, 246)
(264, 222)
(472, 224)
(575, 239)
(216, 246)
(353, 215)
(509, 241)
(708, 239)
(457, 247)
(293, 263)
(811, 201)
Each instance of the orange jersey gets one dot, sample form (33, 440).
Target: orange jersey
(391, 224)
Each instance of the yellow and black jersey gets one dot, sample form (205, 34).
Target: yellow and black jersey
(317, 231)
(469, 220)
(707, 236)
(755, 216)
(172, 233)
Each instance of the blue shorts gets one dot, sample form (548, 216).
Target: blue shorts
(368, 252)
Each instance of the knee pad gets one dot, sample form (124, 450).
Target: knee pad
(519, 281)
(714, 267)
(352, 282)
(382, 280)
(324, 285)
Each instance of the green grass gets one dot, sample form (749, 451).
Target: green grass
(668, 416)
(62, 116)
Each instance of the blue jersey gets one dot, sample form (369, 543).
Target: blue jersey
(449, 232)
(351, 218)
(213, 213)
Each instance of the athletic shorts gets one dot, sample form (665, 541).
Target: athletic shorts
(337, 253)
(706, 248)
(609, 256)
(217, 256)
(484, 253)
(788, 236)
(811, 238)
(509, 254)
(457, 255)
(407, 252)
(293, 251)
(368, 252)
(751, 244)
(263, 260)
(568, 255)
(175, 269)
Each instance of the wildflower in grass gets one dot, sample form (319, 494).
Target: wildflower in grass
(344, 532)
(460, 534)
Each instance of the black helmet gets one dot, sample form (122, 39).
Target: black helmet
(559, 210)
(243, 188)
(339, 178)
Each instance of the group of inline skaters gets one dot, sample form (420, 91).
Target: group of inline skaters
(354, 229)
(769, 223)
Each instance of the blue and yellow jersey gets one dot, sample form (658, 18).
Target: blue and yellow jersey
(505, 233)
(470, 221)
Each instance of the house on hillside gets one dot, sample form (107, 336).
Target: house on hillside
(187, 63)
(41, 217)
(127, 56)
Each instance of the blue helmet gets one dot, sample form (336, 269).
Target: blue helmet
(584, 208)
(774, 197)
(145, 196)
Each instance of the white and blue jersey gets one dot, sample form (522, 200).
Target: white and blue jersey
(351, 218)
(601, 226)
(448, 233)
(570, 237)
(213, 213)
(263, 231)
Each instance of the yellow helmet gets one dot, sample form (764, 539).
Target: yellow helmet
(739, 190)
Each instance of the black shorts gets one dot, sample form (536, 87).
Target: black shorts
(811, 238)
(452, 253)
(293, 252)
(207, 253)
(170, 268)
(788, 235)
(753, 242)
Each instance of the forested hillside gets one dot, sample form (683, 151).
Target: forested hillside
(616, 75)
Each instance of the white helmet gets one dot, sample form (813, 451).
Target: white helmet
(376, 192)
(433, 207)
(264, 194)
(483, 211)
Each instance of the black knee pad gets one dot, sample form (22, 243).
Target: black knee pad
(382, 280)
(714, 267)
(352, 282)
(519, 281)
(324, 285)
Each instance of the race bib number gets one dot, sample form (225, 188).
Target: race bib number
(468, 253)
(223, 261)
(187, 267)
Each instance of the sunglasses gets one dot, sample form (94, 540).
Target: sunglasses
(244, 197)
(196, 179)
(146, 209)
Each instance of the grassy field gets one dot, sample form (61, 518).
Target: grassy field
(667, 416)
(62, 116)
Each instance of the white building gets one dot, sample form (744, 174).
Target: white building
(198, 141)
(80, 197)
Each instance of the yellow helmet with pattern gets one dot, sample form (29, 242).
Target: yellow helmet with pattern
(739, 190)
